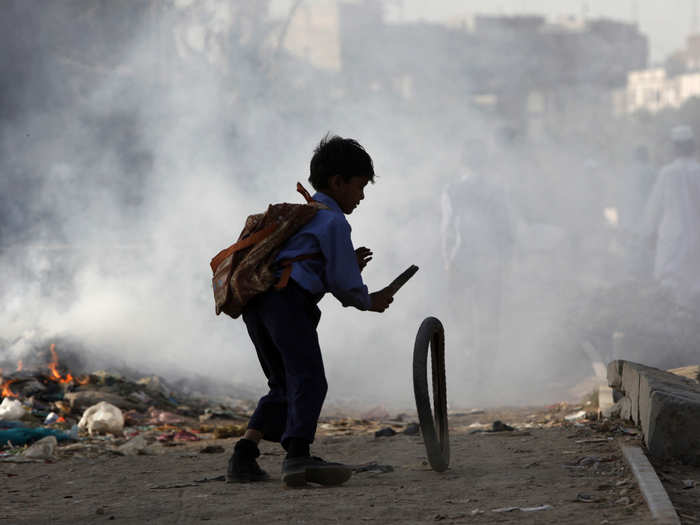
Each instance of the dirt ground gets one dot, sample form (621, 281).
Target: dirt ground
(577, 470)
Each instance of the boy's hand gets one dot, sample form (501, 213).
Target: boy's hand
(380, 300)
(364, 255)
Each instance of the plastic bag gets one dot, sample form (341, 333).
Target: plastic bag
(102, 418)
(11, 409)
(42, 449)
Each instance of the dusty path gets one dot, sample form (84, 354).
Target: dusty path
(527, 468)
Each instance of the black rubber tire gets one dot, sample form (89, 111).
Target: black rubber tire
(431, 335)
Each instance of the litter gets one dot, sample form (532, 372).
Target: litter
(212, 449)
(385, 432)
(184, 435)
(412, 429)
(11, 409)
(51, 418)
(133, 447)
(102, 418)
(373, 467)
(42, 449)
(576, 415)
(524, 509)
(25, 435)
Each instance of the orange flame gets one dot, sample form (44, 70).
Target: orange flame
(56, 375)
(61, 419)
(6, 390)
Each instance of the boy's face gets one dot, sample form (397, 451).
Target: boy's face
(347, 194)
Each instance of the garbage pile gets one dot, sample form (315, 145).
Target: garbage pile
(46, 406)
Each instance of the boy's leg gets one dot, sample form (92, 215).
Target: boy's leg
(269, 417)
(291, 319)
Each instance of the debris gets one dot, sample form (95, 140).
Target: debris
(42, 449)
(133, 447)
(51, 418)
(11, 409)
(440, 517)
(164, 417)
(184, 435)
(623, 501)
(593, 440)
(688, 483)
(385, 432)
(207, 480)
(476, 511)
(412, 429)
(87, 398)
(102, 418)
(524, 509)
(173, 486)
(212, 449)
(576, 415)
(585, 498)
(227, 431)
(25, 435)
(373, 467)
(500, 426)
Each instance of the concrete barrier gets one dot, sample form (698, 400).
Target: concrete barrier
(666, 407)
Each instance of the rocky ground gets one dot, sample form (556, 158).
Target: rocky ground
(571, 470)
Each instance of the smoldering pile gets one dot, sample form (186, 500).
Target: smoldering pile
(105, 411)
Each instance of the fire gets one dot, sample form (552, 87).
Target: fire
(56, 375)
(6, 390)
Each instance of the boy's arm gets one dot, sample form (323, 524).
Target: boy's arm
(342, 270)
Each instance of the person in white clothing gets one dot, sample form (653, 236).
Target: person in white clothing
(672, 221)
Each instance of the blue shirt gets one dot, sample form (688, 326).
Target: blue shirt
(337, 271)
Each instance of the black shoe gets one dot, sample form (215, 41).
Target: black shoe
(297, 471)
(242, 467)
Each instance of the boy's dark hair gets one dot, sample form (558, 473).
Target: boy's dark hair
(338, 156)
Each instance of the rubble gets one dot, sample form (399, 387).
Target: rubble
(42, 449)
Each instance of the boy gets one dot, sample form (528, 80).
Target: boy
(282, 323)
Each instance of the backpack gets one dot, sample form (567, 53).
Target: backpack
(247, 267)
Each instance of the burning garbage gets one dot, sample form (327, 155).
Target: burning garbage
(115, 413)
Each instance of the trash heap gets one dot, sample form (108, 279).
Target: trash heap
(46, 406)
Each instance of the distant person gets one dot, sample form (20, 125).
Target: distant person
(282, 321)
(477, 243)
(672, 221)
(635, 187)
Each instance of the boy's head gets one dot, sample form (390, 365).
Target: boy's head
(341, 168)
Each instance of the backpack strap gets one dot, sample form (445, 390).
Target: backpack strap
(240, 245)
(286, 265)
(304, 192)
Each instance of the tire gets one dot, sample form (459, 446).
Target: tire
(435, 430)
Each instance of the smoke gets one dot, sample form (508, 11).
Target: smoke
(136, 139)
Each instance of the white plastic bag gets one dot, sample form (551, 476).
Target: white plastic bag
(11, 409)
(102, 418)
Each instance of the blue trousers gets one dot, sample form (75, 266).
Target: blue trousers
(282, 325)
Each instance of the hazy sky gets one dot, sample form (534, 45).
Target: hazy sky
(665, 23)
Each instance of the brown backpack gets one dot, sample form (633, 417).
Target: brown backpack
(247, 267)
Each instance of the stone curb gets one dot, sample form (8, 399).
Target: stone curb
(660, 506)
(666, 407)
